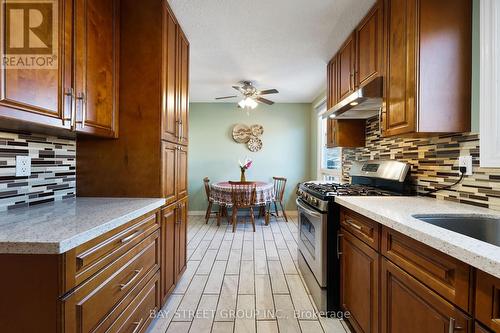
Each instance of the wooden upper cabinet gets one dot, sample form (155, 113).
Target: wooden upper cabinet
(331, 82)
(37, 94)
(169, 122)
(96, 66)
(183, 86)
(346, 133)
(359, 283)
(345, 67)
(369, 42)
(427, 48)
(410, 307)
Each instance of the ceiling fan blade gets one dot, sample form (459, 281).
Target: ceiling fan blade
(265, 101)
(241, 90)
(226, 97)
(269, 91)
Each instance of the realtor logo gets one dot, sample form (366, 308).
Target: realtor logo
(30, 34)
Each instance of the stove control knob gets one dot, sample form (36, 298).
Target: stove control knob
(315, 201)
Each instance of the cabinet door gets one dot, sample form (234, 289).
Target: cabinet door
(183, 85)
(359, 287)
(168, 173)
(331, 97)
(369, 46)
(169, 122)
(399, 116)
(331, 135)
(345, 68)
(480, 329)
(180, 238)
(488, 300)
(96, 62)
(181, 172)
(410, 307)
(38, 70)
(168, 276)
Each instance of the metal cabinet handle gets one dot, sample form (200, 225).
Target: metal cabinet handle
(354, 225)
(82, 101)
(137, 325)
(129, 238)
(71, 94)
(452, 328)
(136, 274)
(339, 253)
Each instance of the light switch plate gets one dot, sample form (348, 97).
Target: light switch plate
(466, 161)
(23, 166)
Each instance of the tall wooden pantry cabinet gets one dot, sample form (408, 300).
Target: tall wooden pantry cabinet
(149, 159)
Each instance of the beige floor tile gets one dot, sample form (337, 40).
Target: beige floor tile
(223, 327)
(215, 278)
(227, 299)
(264, 303)
(285, 313)
(245, 323)
(278, 281)
(267, 327)
(178, 327)
(247, 278)
(202, 322)
(189, 303)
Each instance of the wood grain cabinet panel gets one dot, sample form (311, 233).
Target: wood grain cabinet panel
(181, 237)
(478, 328)
(365, 229)
(447, 276)
(410, 307)
(488, 300)
(96, 66)
(183, 85)
(345, 133)
(37, 95)
(169, 171)
(345, 67)
(369, 42)
(359, 283)
(168, 244)
(418, 66)
(332, 84)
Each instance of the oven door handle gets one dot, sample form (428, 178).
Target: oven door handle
(307, 210)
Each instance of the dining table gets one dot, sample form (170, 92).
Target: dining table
(221, 193)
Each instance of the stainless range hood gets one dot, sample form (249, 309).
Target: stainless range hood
(364, 103)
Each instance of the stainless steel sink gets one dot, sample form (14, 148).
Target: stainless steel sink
(483, 228)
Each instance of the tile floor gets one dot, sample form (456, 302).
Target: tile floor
(242, 282)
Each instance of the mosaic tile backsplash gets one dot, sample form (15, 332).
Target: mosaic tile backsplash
(434, 163)
(53, 163)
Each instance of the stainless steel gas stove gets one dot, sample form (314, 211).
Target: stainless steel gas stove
(319, 223)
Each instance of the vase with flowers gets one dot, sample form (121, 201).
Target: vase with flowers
(244, 166)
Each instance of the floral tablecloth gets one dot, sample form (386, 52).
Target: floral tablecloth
(221, 193)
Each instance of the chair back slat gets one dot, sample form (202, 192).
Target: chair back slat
(279, 187)
(206, 182)
(243, 194)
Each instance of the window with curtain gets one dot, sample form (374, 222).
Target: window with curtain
(329, 159)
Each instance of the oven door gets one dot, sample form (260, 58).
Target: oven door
(312, 240)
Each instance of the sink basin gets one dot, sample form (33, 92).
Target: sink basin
(483, 228)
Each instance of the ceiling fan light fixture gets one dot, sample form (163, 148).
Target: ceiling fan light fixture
(242, 104)
(251, 103)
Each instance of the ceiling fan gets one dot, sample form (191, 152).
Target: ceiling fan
(251, 95)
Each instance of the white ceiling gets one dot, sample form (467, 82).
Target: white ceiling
(282, 44)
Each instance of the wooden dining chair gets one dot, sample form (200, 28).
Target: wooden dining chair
(209, 212)
(243, 195)
(279, 192)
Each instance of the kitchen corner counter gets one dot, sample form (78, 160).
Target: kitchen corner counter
(396, 213)
(61, 226)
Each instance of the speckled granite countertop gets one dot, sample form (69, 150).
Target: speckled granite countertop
(396, 213)
(61, 226)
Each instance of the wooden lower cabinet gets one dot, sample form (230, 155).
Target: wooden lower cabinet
(407, 306)
(359, 283)
(480, 329)
(168, 220)
(181, 237)
(488, 300)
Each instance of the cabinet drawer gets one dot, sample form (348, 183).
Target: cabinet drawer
(91, 257)
(362, 227)
(488, 300)
(115, 285)
(445, 275)
(136, 316)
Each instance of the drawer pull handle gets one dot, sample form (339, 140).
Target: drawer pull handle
(452, 328)
(137, 325)
(129, 238)
(354, 225)
(339, 236)
(136, 274)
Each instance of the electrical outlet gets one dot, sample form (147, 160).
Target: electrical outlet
(23, 166)
(466, 161)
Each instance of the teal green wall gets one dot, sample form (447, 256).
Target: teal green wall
(213, 153)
